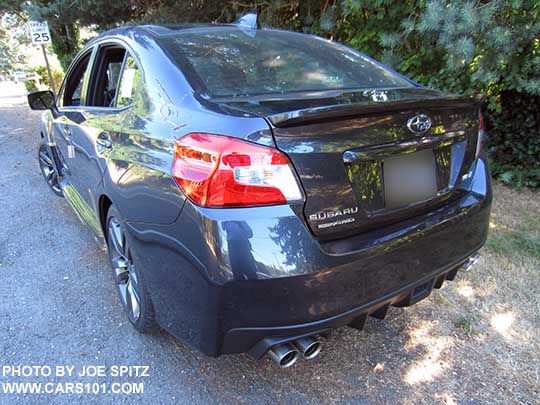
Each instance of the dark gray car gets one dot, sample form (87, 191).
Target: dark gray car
(258, 188)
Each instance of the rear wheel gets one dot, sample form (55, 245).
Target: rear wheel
(46, 164)
(131, 288)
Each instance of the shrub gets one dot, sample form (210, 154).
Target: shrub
(30, 86)
(513, 139)
(57, 76)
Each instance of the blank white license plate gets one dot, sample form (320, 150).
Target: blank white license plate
(409, 178)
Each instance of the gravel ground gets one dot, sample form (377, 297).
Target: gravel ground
(58, 306)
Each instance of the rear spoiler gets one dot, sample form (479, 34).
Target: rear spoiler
(343, 111)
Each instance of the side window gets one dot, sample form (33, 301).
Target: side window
(74, 83)
(105, 81)
(129, 83)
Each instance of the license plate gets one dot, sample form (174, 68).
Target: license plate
(409, 178)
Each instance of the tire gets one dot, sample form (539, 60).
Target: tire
(48, 169)
(129, 282)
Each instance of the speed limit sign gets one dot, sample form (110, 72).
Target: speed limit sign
(39, 32)
(40, 35)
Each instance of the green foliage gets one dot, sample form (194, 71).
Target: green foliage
(65, 42)
(57, 76)
(7, 56)
(30, 86)
(513, 139)
(10, 41)
(373, 26)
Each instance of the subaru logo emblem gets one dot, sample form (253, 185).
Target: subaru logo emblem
(419, 123)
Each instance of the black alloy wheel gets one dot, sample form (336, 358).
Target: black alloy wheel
(48, 169)
(133, 294)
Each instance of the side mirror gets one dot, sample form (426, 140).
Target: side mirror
(42, 100)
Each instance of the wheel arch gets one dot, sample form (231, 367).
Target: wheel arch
(104, 204)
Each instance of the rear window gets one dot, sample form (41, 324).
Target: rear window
(225, 62)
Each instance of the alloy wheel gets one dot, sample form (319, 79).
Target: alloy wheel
(48, 170)
(124, 270)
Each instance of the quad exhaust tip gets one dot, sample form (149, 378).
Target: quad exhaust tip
(284, 355)
(470, 263)
(308, 346)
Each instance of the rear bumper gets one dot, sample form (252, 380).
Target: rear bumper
(225, 280)
(257, 340)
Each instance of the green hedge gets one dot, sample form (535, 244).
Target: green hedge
(513, 139)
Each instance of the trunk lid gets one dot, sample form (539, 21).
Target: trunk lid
(360, 164)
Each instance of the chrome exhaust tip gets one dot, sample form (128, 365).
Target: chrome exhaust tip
(284, 355)
(308, 346)
(470, 263)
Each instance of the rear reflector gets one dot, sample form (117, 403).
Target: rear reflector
(219, 171)
(480, 138)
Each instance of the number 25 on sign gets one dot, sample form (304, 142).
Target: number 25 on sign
(39, 32)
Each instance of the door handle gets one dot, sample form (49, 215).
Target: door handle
(67, 133)
(104, 141)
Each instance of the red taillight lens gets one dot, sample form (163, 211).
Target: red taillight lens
(219, 171)
(480, 138)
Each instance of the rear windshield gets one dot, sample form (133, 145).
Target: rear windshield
(227, 62)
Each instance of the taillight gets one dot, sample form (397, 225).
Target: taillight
(480, 138)
(219, 171)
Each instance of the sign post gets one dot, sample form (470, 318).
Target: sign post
(40, 35)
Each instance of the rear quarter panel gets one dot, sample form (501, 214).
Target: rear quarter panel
(138, 179)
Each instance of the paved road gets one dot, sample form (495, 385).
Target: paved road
(58, 306)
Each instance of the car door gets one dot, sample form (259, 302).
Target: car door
(86, 131)
(93, 131)
(71, 102)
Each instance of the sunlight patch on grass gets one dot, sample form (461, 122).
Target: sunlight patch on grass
(465, 289)
(502, 323)
(431, 363)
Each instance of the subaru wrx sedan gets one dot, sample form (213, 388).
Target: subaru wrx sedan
(257, 188)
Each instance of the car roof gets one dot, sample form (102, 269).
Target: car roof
(160, 31)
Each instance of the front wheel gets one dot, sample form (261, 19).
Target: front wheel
(131, 288)
(46, 164)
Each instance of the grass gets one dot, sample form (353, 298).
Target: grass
(466, 324)
(515, 218)
(514, 243)
(520, 237)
